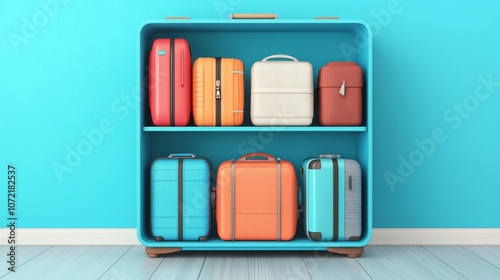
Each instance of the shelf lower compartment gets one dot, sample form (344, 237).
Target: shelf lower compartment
(299, 243)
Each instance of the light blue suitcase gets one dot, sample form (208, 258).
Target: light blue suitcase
(180, 198)
(332, 198)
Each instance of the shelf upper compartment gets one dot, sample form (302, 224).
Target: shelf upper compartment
(254, 128)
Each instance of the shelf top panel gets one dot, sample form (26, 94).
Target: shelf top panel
(258, 25)
(254, 128)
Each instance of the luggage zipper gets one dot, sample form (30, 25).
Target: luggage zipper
(342, 88)
(172, 82)
(217, 91)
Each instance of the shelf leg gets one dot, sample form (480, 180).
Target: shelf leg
(156, 252)
(350, 252)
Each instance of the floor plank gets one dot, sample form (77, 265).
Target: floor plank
(464, 262)
(277, 265)
(324, 265)
(134, 264)
(254, 265)
(99, 259)
(182, 265)
(404, 262)
(91, 264)
(46, 264)
(490, 254)
(24, 254)
(225, 265)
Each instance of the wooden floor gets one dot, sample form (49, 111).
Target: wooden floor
(131, 262)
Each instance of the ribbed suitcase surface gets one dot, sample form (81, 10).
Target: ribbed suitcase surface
(218, 91)
(256, 199)
(281, 92)
(180, 203)
(332, 199)
(340, 86)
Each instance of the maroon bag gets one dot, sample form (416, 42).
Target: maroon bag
(340, 87)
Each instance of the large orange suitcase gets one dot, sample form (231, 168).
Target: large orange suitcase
(218, 91)
(256, 199)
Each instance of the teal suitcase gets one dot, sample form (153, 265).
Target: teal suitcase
(180, 198)
(332, 198)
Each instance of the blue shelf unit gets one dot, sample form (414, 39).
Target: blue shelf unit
(316, 41)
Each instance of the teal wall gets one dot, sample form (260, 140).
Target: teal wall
(68, 81)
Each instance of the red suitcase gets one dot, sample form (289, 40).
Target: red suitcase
(340, 87)
(170, 82)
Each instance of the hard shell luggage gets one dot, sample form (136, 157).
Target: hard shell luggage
(256, 199)
(218, 91)
(282, 92)
(340, 86)
(170, 82)
(180, 198)
(332, 198)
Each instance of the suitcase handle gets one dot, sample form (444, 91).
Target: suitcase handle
(329, 156)
(342, 63)
(280, 56)
(181, 155)
(247, 156)
(182, 67)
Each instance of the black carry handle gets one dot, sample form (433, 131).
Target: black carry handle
(212, 201)
(257, 155)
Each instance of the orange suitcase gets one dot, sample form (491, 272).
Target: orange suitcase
(218, 88)
(256, 199)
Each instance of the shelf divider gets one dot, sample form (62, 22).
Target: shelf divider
(254, 128)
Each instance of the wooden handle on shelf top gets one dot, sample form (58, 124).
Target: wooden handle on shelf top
(253, 16)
